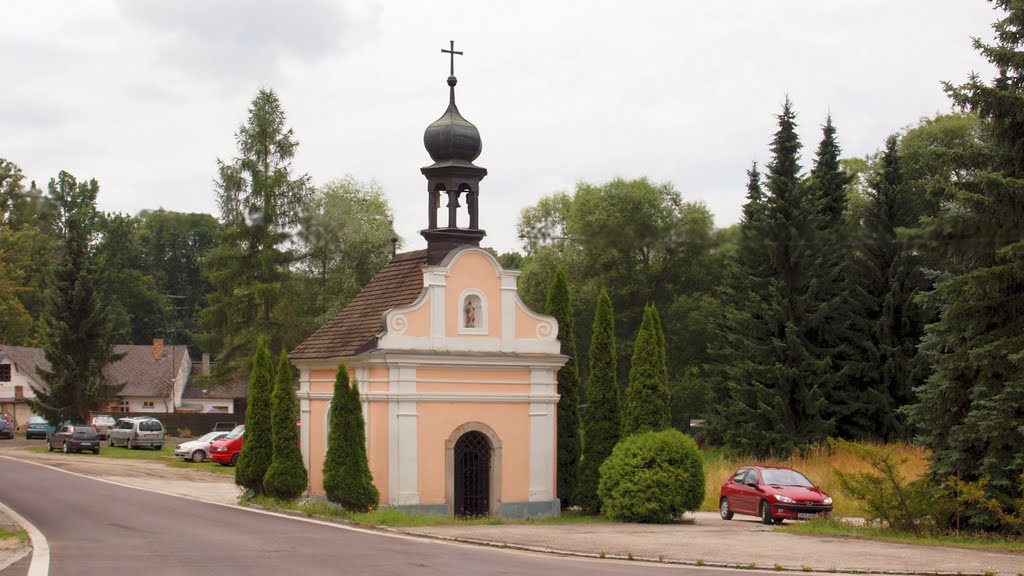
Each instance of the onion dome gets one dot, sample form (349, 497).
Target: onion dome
(452, 140)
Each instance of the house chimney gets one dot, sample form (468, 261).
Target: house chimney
(206, 364)
(158, 348)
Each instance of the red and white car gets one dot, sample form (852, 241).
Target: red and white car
(773, 493)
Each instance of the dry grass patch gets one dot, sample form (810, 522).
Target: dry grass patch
(817, 464)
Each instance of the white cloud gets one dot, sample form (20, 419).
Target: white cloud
(145, 95)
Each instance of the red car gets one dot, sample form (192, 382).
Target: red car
(773, 493)
(225, 451)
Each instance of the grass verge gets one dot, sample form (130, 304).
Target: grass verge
(165, 455)
(398, 518)
(833, 527)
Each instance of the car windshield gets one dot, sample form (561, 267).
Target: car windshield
(210, 437)
(104, 420)
(37, 420)
(238, 431)
(779, 477)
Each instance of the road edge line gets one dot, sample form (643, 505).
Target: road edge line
(40, 564)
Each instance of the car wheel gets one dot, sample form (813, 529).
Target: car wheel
(129, 445)
(110, 441)
(777, 521)
(766, 512)
(234, 458)
(158, 447)
(64, 448)
(96, 451)
(724, 510)
(198, 456)
(49, 446)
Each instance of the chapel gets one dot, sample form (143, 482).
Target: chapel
(458, 378)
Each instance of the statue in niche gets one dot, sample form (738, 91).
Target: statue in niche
(470, 314)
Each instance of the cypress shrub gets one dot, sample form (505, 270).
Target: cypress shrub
(258, 449)
(559, 305)
(648, 396)
(652, 477)
(602, 420)
(286, 478)
(347, 478)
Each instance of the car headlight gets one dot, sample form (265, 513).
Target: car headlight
(827, 501)
(220, 449)
(782, 498)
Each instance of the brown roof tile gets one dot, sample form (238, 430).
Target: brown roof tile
(198, 389)
(26, 359)
(355, 328)
(142, 374)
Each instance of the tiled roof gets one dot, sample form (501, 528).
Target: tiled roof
(355, 328)
(199, 390)
(26, 360)
(142, 374)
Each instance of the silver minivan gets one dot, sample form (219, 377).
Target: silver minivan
(137, 431)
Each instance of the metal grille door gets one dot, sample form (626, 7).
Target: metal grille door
(472, 474)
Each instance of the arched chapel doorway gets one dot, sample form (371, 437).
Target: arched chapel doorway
(472, 475)
(473, 471)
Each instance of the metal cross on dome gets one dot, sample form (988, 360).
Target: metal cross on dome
(453, 52)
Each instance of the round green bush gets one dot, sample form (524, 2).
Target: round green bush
(652, 477)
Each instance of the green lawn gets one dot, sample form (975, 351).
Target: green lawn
(19, 534)
(164, 455)
(831, 527)
(395, 518)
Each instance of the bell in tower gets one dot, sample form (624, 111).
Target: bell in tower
(453, 144)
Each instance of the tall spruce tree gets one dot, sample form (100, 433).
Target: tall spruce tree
(646, 408)
(347, 478)
(286, 478)
(78, 342)
(971, 412)
(559, 305)
(885, 280)
(775, 400)
(602, 419)
(830, 309)
(258, 448)
(260, 205)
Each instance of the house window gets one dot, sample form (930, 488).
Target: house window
(472, 313)
(223, 409)
(5, 372)
(122, 406)
(147, 404)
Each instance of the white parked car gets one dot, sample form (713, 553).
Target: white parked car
(199, 449)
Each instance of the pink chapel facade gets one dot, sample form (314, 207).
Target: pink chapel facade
(458, 377)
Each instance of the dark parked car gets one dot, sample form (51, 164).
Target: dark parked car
(74, 438)
(5, 429)
(773, 493)
(38, 427)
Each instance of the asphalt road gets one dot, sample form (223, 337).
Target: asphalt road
(95, 527)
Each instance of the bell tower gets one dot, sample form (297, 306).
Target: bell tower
(453, 144)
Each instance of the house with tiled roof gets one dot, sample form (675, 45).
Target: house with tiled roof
(458, 378)
(17, 377)
(201, 395)
(156, 379)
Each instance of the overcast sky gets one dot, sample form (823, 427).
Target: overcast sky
(145, 95)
